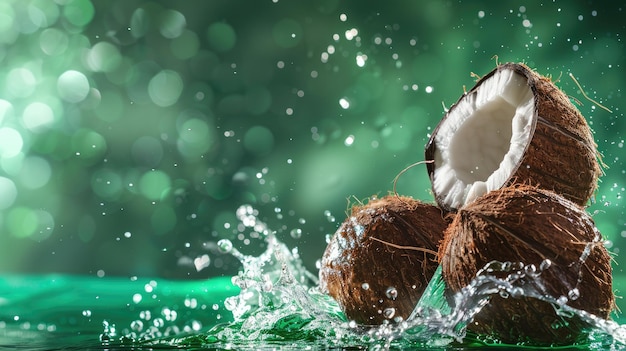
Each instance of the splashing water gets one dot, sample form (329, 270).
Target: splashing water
(280, 304)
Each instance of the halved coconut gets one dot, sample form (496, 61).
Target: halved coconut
(513, 126)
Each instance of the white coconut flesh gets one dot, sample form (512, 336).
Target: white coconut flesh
(482, 140)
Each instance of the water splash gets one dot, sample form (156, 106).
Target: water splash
(279, 303)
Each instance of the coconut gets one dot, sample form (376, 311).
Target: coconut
(513, 126)
(552, 237)
(379, 261)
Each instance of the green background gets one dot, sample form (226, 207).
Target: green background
(131, 131)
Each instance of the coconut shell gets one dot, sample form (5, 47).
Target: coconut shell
(528, 225)
(561, 154)
(379, 261)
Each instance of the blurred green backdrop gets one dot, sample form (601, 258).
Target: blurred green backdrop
(131, 131)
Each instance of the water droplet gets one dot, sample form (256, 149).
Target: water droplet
(531, 270)
(349, 140)
(573, 294)
(145, 315)
(545, 264)
(196, 325)
(191, 302)
(365, 286)
(137, 298)
(202, 262)
(296, 233)
(329, 216)
(506, 267)
(389, 312)
(169, 314)
(87, 313)
(225, 246)
(136, 325)
(158, 322)
(392, 293)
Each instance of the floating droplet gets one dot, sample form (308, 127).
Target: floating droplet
(389, 312)
(158, 322)
(225, 246)
(202, 262)
(136, 325)
(191, 302)
(392, 293)
(196, 325)
(328, 237)
(545, 264)
(573, 294)
(296, 233)
(169, 314)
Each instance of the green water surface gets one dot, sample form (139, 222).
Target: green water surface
(62, 312)
(67, 312)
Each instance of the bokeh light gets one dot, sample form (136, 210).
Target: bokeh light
(8, 193)
(22, 222)
(78, 12)
(11, 142)
(103, 57)
(35, 172)
(165, 88)
(73, 86)
(155, 185)
(195, 138)
(221, 36)
(20, 82)
(37, 116)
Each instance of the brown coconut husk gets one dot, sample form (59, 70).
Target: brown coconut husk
(528, 225)
(561, 155)
(387, 244)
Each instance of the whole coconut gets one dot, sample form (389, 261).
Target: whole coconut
(381, 258)
(523, 224)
